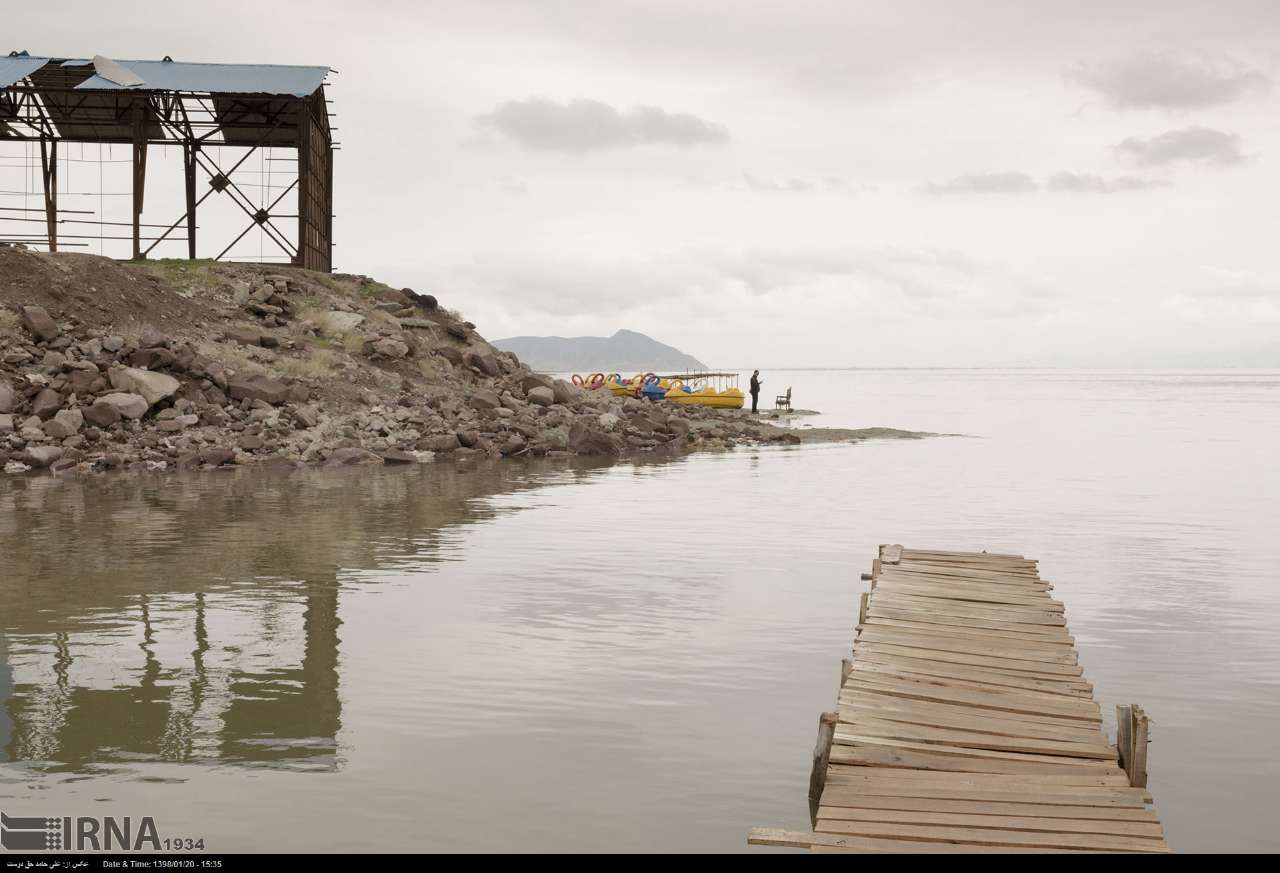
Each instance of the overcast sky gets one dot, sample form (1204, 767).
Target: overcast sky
(789, 183)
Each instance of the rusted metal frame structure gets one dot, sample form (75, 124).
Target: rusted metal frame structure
(50, 105)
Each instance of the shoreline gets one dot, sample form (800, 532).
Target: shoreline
(179, 365)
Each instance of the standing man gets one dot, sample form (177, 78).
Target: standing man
(755, 390)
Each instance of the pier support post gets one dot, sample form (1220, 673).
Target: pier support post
(1132, 736)
(821, 758)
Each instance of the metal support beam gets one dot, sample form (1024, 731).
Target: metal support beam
(49, 175)
(139, 173)
(304, 183)
(189, 173)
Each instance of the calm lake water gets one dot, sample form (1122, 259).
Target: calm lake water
(567, 656)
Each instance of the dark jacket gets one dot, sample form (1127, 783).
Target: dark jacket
(755, 385)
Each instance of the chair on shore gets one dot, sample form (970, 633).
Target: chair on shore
(783, 401)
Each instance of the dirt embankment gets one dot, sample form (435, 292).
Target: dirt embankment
(179, 365)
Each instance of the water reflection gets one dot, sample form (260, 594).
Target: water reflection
(231, 652)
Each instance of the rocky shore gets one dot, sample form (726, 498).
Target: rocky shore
(178, 365)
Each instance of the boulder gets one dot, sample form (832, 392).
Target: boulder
(399, 456)
(6, 423)
(563, 391)
(8, 398)
(262, 388)
(81, 381)
(42, 456)
(541, 396)
(104, 414)
(66, 423)
(451, 354)
(217, 456)
(152, 338)
(245, 336)
(179, 423)
(39, 323)
(152, 358)
(390, 348)
(587, 441)
(112, 344)
(483, 399)
(306, 416)
(152, 387)
(126, 405)
(337, 323)
(484, 362)
(468, 438)
(533, 380)
(46, 403)
(350, 457)
(514, 445)
(443, 443)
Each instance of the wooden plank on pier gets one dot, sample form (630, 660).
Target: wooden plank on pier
(965, 723)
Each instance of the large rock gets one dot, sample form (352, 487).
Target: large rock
(126, 405)
(452, 354)
(444, 443)
(564, 391)
(399, 456)
(42, 456)
(514, 445)
(39, 323)
(66, 423)
(587, 441)
(337, 322)
(216, 456)
(82, 381)
(390, 348)
(152, 387)
(534, 380)
(483, 398)
(6, 423)
(541, 396)
(262, 388)
(152, 338)
(306, 416)
(156, 358)
(245, 336)
(350, 457)
(47, 402)
(484, 362)
(8, 398)
(102, 414)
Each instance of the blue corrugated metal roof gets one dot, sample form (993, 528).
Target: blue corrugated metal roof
(227, 78)
(14, 68)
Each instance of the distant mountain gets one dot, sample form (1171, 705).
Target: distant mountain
(625, 352)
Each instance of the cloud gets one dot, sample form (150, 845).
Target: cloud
(796, 185)
(984, 183)
(583, 125)
(530, 285)
(1200, 145)
(769, 186)
(1159, 82)
(1087, 183)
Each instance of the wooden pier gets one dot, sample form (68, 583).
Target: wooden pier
(965, 724)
